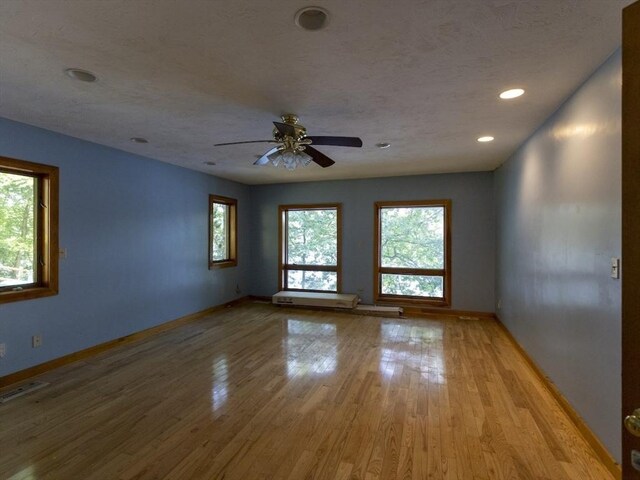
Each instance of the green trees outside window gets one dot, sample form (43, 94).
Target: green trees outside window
(18, 253)
(220, 232)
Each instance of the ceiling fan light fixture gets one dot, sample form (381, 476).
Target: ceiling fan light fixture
(290, 159)
(486, 139)
(312, 18)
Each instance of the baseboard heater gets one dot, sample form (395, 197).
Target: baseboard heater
(382, 311)
(315, 299)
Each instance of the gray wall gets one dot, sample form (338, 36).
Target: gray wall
(136, 233)
(472, 230)
(558, 204)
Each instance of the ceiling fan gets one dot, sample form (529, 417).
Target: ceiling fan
(295, 148)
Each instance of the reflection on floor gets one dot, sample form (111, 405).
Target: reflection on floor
(261, 392)
(400, 350)
(312, 348)
(219, 389)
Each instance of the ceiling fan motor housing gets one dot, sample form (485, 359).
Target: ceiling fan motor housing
(300, 130)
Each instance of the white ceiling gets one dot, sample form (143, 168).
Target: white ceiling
(423, 75)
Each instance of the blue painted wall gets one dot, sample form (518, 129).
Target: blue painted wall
(472, 229)
(136, 233)
(558, 204)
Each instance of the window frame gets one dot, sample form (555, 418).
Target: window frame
(282, 247)
(378, 270)
(232, 239)
(46, 232)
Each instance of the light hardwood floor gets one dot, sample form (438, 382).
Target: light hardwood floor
(260, 392)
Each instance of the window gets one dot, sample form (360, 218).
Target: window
(223, 232)
(28, 230)
(413, 252)
(310, 255)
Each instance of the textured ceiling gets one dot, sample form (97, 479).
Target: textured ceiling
(423, 75)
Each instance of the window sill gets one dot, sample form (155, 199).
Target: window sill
(30, 293)
(223, 264)
(308, 290)
(399, 301)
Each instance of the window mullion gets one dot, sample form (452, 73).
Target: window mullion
(413, 271)
(311, 268)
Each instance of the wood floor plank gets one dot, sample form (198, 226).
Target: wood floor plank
(261, 392)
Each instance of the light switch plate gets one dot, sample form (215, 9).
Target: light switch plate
(615, 267)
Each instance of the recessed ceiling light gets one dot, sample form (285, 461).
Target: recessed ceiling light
(209, 163)
(82, 75)
(383, 145)
(312, 18)
(139, 140)
(513, 93)
(488, 138)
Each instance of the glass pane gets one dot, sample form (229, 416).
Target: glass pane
(312, 237)
(412, 285)
(220, 232)
(17, 230)
(305, 280)
(412, 237)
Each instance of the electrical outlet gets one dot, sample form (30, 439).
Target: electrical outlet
(36, 341)
(3, 350)
(499, 303)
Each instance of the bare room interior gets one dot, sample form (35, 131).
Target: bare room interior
(341, 240)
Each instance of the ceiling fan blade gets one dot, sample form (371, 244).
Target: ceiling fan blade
(318, 157)
(264, 159)
(250, 141)
(285, 129)
(336, 141)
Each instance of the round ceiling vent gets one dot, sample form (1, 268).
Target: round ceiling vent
(82, 75)
(312, 18)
